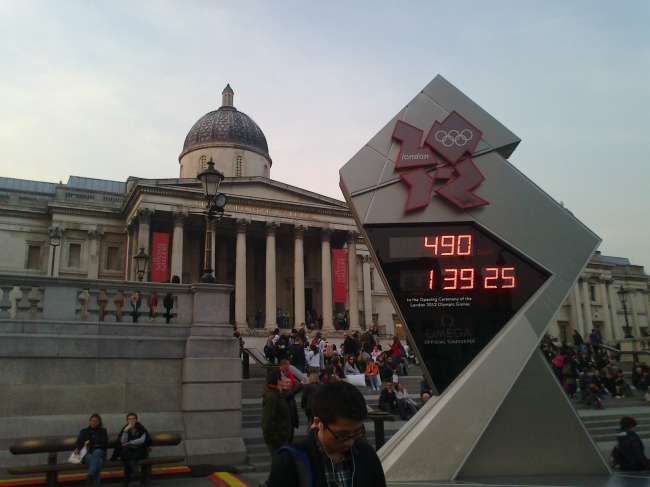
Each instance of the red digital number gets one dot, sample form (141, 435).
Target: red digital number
(509, 279)
(433, 245)
(431, 283)
(468, 249)
(468, 276)
(449, 242)
(453, 280)
(488, 278)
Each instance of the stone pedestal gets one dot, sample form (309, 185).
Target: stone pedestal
(211, 398)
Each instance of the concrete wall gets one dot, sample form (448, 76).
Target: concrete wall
(181, 377)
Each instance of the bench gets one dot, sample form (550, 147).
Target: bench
(52, 446)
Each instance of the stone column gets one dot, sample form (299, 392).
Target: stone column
(55, 252)
(144, 219)
(271, 292)
(130, 235)
(576, 312)
(240, 273)
(95, 239)
(222, 268)
(632, 312)
(614, 304)
(298, 276)
(367, 292)
(353, 291)
(177, 244)
(609, 332)
(326, 280)
(211, 397)
(586, 303)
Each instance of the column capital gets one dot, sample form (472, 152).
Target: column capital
(56, 231)
(271, 227)
(353, 235)
(143, 215)
(95, 234)
(242, 225)
(299, 231)
(326, 234)
(367, 259)
(179, 219)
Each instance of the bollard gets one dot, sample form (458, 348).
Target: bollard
(379, 417)
(245, 366)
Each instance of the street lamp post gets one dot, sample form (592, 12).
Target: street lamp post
(141, 260)
(55, 241)
(622, 293)
(215, 203)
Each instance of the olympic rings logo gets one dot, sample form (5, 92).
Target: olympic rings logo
(454, 137)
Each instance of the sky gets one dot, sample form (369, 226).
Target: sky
(110, 89)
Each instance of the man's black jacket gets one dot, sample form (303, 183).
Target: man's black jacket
(367, 467)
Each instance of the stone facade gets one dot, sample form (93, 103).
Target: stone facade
(593, 302)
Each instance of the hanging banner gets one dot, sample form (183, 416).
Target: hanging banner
(339, 270)
(159, 257)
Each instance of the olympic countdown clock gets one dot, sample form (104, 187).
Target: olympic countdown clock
(456, 287)
(477, 260)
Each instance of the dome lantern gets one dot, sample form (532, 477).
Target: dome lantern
(227, 96)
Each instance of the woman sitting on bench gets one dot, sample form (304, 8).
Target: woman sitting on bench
(94, 438)
(131, 446)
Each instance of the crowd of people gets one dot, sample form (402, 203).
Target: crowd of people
(589, 373)
(360, 354)
(131, 445)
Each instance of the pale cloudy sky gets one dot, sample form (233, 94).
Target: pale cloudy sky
(109, 89)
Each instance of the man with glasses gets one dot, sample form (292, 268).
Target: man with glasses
(334, 453)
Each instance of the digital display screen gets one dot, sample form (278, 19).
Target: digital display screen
(456, 286)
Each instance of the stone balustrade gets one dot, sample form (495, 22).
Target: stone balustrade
(38, 298)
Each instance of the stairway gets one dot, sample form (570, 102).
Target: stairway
(258, 455)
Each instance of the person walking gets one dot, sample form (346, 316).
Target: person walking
(276, 416)
(334, 453)
(95, 439)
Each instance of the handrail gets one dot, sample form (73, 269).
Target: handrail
(617, 351)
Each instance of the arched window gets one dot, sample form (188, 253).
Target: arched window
(238, 166)
(203, 163)
(266, 171)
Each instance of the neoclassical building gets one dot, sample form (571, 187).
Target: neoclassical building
(274, 242)
(594, 302)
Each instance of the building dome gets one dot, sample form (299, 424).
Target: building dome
(226, 127)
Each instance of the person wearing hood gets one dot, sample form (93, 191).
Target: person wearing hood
(276, 415)
(131, 446)
(95, 439)
(630, 447)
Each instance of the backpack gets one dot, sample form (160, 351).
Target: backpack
(616, 460)
(303, 467)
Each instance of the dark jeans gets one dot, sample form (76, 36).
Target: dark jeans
(386, 407)
(130, 457)
(96, 461)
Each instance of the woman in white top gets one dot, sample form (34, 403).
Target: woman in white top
(313, 360)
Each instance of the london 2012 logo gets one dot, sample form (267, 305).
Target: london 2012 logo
(448, 147)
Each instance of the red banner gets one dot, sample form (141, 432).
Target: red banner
(159, 257)
(339, 270)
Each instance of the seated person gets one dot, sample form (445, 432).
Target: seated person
(372, 374)
(350, 367)
(94, 438)
(405, 399)
(622, 387)
(591, 397)
(630, 447)
(132, 443)
(610, 385)
(426, 392)
(388, 402)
